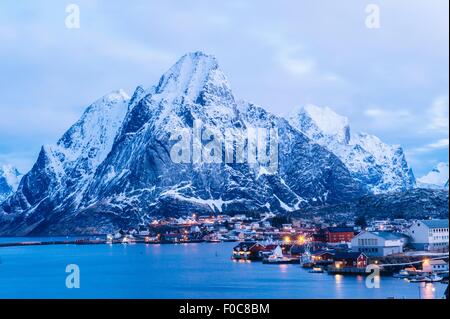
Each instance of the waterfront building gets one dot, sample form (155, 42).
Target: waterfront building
(431, 235)
(378, 243)
(435, 266)
(323, 257)
(350, 259)
(339, 234)
(248, 251)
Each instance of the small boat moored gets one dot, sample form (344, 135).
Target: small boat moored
(316, 270)
(402, 274)
(277, 257)
(422, 278)
(434, 278)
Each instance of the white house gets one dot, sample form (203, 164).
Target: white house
(435, 266)
(429, 234)
(377, 244)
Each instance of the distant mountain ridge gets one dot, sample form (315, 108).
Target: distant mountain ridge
(382, 167)
(113, 168)
(416, 203)
(436, 178)
(9, 180)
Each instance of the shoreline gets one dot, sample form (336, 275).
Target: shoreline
(99, 242)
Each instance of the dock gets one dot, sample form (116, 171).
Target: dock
(353, 271)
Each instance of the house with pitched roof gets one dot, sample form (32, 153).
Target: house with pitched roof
(378, 243)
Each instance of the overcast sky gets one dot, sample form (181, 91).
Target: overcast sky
(391, 81)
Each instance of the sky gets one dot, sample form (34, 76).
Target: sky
(390, 79)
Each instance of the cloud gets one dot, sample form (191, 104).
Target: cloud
(438, 115)
(442, 143)
(30, 121)
(378, 113)
(438, 144)
(132, 52)
(296, 65)
(389, 119)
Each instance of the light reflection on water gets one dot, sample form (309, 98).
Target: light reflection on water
(427, 290)
(283, 268)
(339, 279)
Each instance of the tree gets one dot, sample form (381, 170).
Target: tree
(361, 221)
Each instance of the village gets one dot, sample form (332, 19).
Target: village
(416, 250)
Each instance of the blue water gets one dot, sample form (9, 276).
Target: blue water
(177, 271)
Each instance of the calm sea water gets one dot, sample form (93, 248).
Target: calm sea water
(177, 271)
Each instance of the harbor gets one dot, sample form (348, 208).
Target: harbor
(313, 248)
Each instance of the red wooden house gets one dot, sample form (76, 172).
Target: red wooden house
(350, 259)
(339, 234)
(248, 251)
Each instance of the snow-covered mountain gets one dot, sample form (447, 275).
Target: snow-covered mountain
(114, 169)
(436, 179)
(9, 181)
(380, 166)
(62, 171)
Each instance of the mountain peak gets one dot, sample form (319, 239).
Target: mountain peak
(323, 120)
(436, 178)
(114, 97)
(196, 78)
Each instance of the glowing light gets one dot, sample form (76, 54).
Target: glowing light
(287, 240)
(301, 239)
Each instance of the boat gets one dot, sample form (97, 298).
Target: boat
(431, 278)
(402, 274)
(418, 278)
(316, 270)
(434, 278)
(306, 259)
(278, 258)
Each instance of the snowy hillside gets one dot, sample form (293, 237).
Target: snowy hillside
(437, 178)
